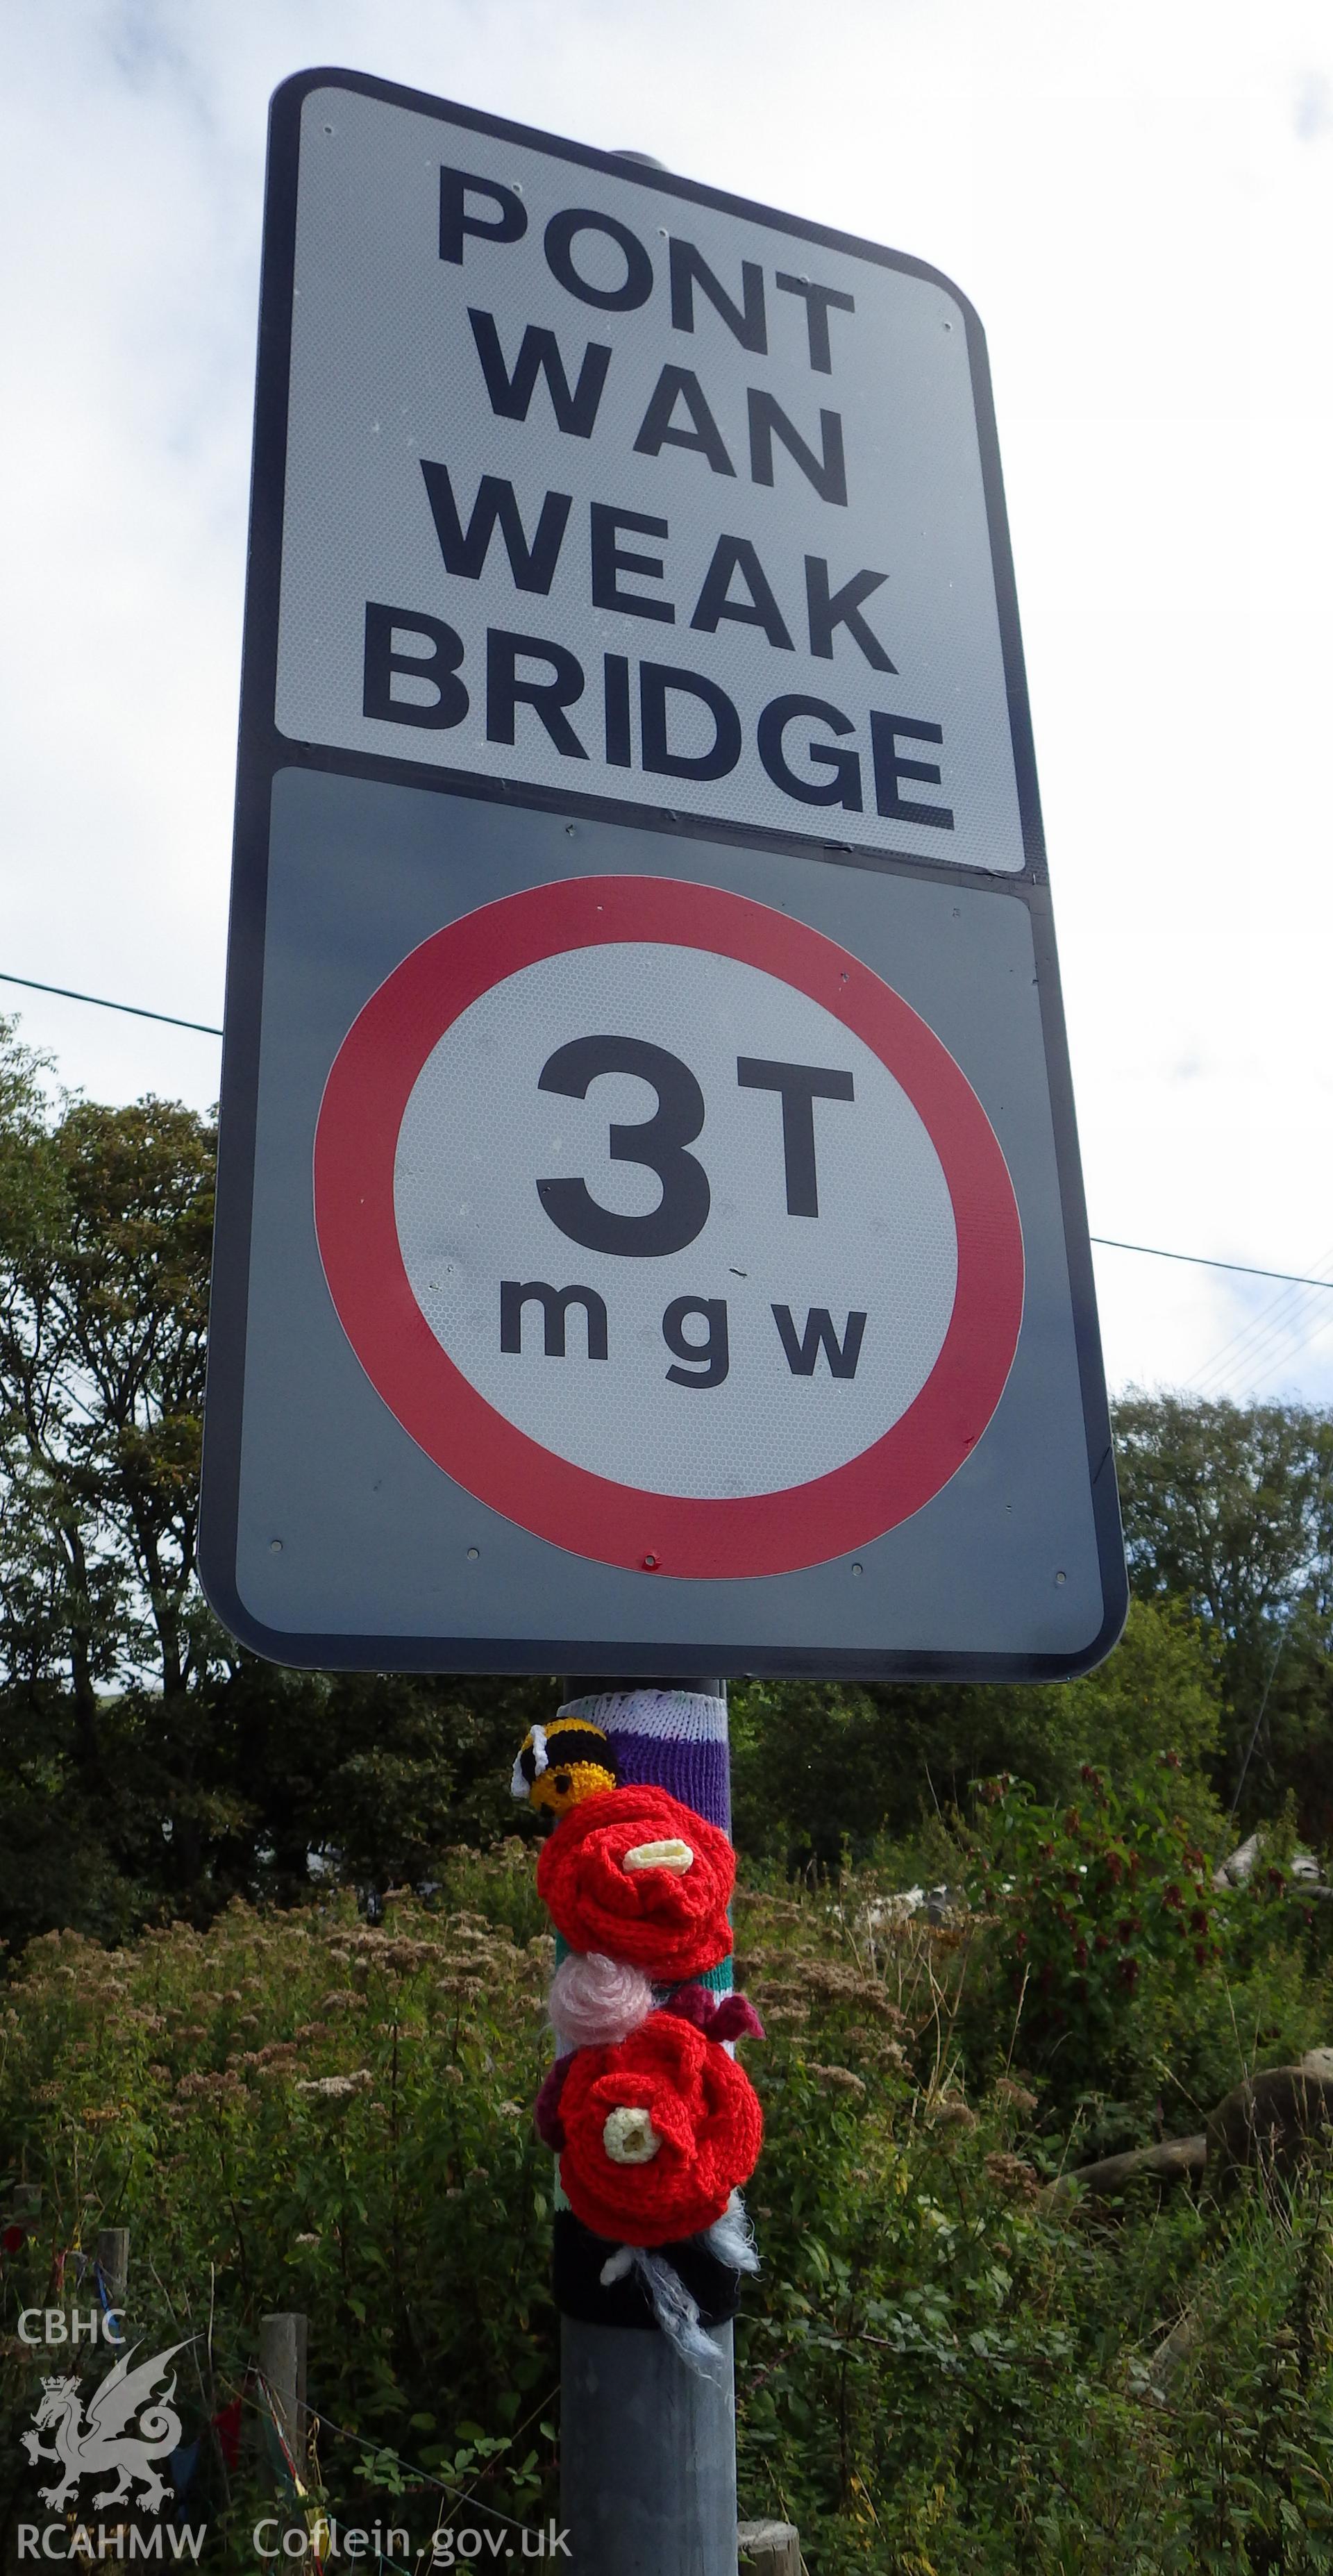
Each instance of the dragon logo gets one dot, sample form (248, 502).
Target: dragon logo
(104, 2439)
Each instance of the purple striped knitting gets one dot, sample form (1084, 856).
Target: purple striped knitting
(675, 1740)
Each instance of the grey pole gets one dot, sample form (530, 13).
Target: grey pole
(647, 2446)
(647, 2455)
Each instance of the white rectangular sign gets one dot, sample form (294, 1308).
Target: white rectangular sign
(650, 1236)
(605, 491)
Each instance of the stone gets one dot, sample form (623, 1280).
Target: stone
(1270, 2119)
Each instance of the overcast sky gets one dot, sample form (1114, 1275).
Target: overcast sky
(1138, 200)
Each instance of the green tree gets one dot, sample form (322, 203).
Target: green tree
(817, 1769)
(147, 1764)
(105, 1226)
(1229, 1509)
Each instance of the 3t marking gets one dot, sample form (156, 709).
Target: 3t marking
(662, 1145)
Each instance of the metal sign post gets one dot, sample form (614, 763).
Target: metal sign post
(647, 2447)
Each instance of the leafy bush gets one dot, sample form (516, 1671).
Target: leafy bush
(1126, 1974)
(940, 2373)
(304, 2111)
(1095, 1906)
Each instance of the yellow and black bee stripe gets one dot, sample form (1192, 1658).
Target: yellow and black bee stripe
(560, 1764)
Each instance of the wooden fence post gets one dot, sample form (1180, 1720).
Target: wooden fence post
(283, 2343)
(113, 2262)
(770, 2548)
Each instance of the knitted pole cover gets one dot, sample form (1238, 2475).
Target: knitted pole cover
(677, 1741)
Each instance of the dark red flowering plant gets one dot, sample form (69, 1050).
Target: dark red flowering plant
(1094, 1903)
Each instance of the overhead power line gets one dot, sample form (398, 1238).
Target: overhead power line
(1290, 1318)
(100, 1003)
(1109, 1243)
(1205, 1261)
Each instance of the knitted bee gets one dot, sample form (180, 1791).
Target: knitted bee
(560, 1764)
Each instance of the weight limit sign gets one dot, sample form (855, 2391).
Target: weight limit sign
(665, 1227)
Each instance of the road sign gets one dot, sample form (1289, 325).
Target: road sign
(817, 1438)
(649, 1223)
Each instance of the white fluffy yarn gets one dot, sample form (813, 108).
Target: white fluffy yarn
(731, 2240)
(676, 2312)
(595, 2001)
(731, 2237)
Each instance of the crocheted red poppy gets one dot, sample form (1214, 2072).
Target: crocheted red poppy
(672, 1922)
(701, 2109)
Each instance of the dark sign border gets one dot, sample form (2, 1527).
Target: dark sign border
(263, 750)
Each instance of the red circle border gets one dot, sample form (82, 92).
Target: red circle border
(356, 1142)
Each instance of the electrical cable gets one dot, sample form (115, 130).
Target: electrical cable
(99, 1002)
(1106, 1242)
(1205, 1261)
(1254, 1333)
(1275, 1322)
(1254, 1738)
(1289, 1335)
